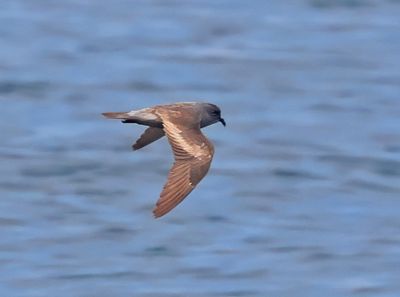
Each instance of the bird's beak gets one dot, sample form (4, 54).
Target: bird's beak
(222, 121)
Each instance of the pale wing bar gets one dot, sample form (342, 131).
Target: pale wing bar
(182, 179)
(193, 154)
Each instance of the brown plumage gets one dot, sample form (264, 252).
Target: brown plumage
(149, 135)
(193, 152)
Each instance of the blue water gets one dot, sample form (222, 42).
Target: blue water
(303, 196)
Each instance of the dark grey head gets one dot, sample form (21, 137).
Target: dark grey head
(211, 114)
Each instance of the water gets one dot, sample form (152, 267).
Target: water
(303, 195)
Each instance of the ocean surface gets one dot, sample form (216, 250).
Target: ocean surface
(303, 197)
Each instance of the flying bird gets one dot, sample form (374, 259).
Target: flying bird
(193, 152)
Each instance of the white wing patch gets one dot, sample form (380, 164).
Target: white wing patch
(192, 149)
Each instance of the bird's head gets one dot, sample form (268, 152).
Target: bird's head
(211, 115)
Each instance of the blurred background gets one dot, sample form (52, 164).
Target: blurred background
(303, 196)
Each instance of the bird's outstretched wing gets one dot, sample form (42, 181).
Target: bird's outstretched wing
(149, 135)
(193, 154)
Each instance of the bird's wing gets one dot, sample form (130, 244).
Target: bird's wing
(193, 154)
(150, 135)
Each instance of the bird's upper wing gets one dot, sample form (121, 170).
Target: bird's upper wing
(150, 135)
(193, 154)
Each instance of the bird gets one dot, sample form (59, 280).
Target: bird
(181, 122)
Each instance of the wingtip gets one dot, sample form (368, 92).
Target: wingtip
(158, 211)
(156, 215)
(136, 146)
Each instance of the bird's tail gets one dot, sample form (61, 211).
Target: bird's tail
(116, 115)
(142, 116)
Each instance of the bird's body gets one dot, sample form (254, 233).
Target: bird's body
(193, 152)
